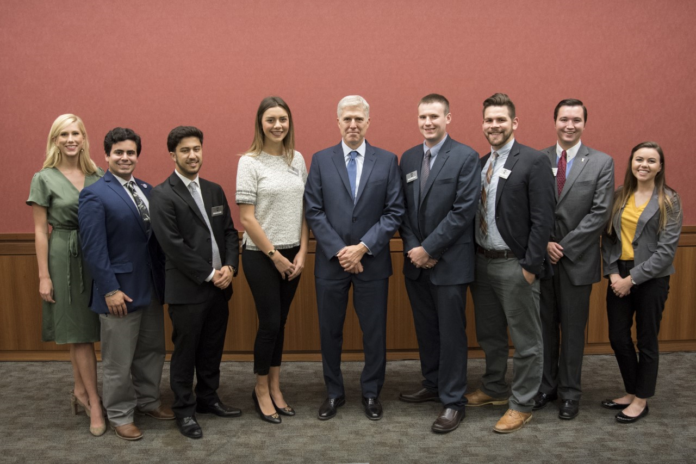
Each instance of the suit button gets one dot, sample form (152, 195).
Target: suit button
(355, 219)
(207, 239)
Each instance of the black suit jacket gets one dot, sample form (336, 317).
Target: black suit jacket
(441, 220)
(524, 207)
(185, 238)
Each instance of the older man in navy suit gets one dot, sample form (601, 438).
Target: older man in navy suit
(354, 205)
(127, 265)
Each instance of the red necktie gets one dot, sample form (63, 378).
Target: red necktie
(561, 172)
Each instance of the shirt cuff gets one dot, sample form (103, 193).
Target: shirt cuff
(210, 277)
(367, 247)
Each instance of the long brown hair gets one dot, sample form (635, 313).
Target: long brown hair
(260, 138)
(667, 201)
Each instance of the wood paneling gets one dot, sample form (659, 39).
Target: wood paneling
(20, 311)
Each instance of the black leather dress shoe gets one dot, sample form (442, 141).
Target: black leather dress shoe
(622, 418)
(421, 396)
(373, 408)
(189, 427)
(542, 399)
(219, 409)
(272, 418)
(286, 411)
(611, 404)
(569, 409)
(327, 410)
(448, 420)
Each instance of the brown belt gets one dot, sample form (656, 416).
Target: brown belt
(494, 254)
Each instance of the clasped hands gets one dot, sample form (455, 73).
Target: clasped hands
(288, 270)
(620, 287)
(350, 256)
(222, 278)
(420, 258)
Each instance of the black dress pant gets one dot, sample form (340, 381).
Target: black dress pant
(440, 319)
(273, 296)
(199, 337)
(370, 302)
(646, 301)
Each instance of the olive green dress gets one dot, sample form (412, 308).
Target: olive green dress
(69, 319)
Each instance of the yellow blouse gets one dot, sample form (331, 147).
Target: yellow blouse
(629, 221)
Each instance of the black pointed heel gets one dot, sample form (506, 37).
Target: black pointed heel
(272, 418)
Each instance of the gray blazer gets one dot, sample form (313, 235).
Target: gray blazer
(582, 210)
(653, 251)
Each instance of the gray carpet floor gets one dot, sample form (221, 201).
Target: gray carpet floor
(36, 424)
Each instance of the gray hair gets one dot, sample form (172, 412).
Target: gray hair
(353, 100)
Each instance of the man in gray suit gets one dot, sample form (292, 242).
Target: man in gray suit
(585, 185)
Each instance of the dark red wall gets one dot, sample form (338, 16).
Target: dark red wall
(153, 65)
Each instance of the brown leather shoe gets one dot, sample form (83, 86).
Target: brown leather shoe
(128, 432)
(478, 398)
(512, 421)
(448, 420)
(421, 396)
(161, 413)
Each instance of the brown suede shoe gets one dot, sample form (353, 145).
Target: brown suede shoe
(128, 432)
(478, 398)
(161, 413)
(512, 421)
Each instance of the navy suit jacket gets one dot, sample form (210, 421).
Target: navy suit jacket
(525, 203)
(441, 220)
(337, 221)
(118, 251)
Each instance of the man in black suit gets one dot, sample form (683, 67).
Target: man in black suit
(442, 186)
(513, 226)
(192, 222)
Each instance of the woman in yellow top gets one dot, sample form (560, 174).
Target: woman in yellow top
(64, 281)
(638, 249)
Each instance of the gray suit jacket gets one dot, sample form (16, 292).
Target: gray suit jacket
(582, 211)
(653, 251)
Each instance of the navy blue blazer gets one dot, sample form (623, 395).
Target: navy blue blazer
(337, 221)
(118, 251)
(441, 220)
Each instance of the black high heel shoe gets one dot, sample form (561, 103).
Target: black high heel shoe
(272, 418)
(286, 411)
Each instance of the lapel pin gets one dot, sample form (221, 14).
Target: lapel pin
(144, 185)
(582, 160)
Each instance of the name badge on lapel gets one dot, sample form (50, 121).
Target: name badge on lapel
(216, 211)
(505, 173)
(555, 171)
(411, 176)
(294, 171)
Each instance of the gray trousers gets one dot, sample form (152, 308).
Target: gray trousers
(564, 306)
(133, 353)
(504, 300)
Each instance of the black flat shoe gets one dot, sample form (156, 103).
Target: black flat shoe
(327, 410)
(188, 426)
(286, 411)
(373, 408)
(542, 399)
(611, 404)
(272, 418)
(569, 409)
(622, 418)
(219, 409)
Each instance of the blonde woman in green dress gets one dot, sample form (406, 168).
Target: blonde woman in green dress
(64, 281)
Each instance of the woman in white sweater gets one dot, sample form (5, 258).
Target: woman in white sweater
(270, 185)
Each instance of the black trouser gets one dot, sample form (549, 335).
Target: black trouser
(273, 296)
(646, 301)
(440, 319)
(199, 337)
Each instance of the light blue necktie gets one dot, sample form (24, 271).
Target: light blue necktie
(193, 188)
(352, 172)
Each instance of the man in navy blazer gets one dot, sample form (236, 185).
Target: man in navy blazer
(354, 205)
(127, 266)
(513, 226)
(442, 185)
